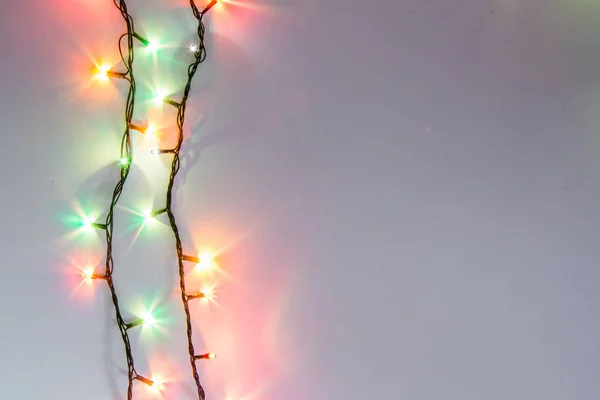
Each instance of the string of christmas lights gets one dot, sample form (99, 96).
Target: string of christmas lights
(199, 52)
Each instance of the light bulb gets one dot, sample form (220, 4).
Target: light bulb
(88, 275)
(154, 383)
(102, 73)
(208, 293)
(124, 161)
(172, 102)
(148, 216)
(153, 45)
(205, 294)
(207, 356)
(158, 385)
(208, 7)
(151, 215)
(139, 128)
(206, 261)
(156, 213)
(135, 323)
(143, 40)
(203, 262)
(161, 151)
(147, 381)
(148, 319)
(89, 224)
(150, 129)
(193, 48)
(160, 97)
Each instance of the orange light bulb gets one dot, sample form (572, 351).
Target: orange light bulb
(102, 73)
(88, 274)
(205, 262)
(150, 129)
(157, 384)
(208, 7)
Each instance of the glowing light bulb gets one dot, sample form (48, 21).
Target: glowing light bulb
(208, 293)
(151, 215)
(193, 48)
(162, 151)
(153, 45)
(145, 129)
(206, 260)
(88, 275)
(150, 129)
(148, 216)
(124, 161)
(88, 224)
(102, 73)
(207, 356)
(147, 381)
(148, 319)
(160, 97)
(154, 383)
(205, 294)
(158, 385)
(142, 39)
(208, 7)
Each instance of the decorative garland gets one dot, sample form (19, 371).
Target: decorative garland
(199, 52)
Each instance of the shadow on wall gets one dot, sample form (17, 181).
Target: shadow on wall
(226, 100)
(228, 114)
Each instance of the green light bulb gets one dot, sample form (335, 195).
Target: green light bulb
(124, 161)
(153, 45)
(86, 224)
(148, 319)
(160, 96)
(148, 216)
